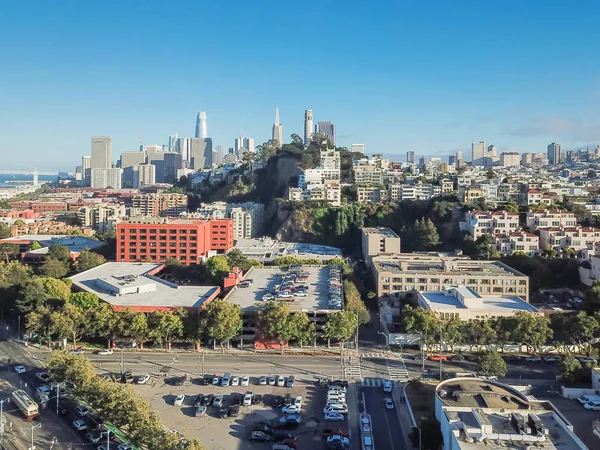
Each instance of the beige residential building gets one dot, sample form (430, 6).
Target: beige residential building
(328, 192)
(519, 241)
(408, 272)
(550, 218)
(248, 219)
(561, 238)
(160, 205)
(101, 217)
(478, 223)
(377, 241)
(447, 186)
(370, 194)
(368, 174)
(330, 159)
(534, 197)
(470, 193)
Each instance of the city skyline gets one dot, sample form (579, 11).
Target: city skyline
(491, 89)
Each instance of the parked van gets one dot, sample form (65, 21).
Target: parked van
(336, 408)
(588, 398)
(225, 379)
(593, 406)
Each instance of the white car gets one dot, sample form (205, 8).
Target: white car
(218, 401)
(215, 381)
(387, 386)
(20, 369)
(340, 408)
(298, 401)
(247, 399)
(301, 294)
(333, 417)
(42, 376)
(179, 400)
(552, 358)
(124, 447)
(142, 379)
(105, 352)
(533, 359)
(338, 441)
(292, 409)
(235, 381)
(272, 381)
(267, 297)
(262, 381)
(80, 425)
(389, 404)
(245, 381)
(365, 424)
(280, 381)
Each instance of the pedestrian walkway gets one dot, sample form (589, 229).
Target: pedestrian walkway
(352, 369)
(371, 382)
(373, 355)
(397, 370)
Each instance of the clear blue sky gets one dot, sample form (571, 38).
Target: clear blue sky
(395, 75)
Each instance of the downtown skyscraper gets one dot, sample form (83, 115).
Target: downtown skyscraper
(554, 153)
(201, 128)
(277, 130)
(327, 129)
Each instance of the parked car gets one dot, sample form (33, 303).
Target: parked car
(437, 357)
(198, 400)
(215, 381)
(218, 401)
(105, 352)
(586, 360)
(293, 419)
(333, 417)
(200, 411)
(278, 402)
(267, 297)
(272, 381)
(292, 409)
(533, 358)
(235, 381)
(259, 436)
(245, 380)
(77, 351)
(247, 399)
(222, 413)
(457, 358)
(81, 410)
(552, 358)
(290, 381)
(43, 377)
(20, 369)
(179, 400)
(262, 381)
(233, 410)
(142, 379)
(80, 425)
(256, 399)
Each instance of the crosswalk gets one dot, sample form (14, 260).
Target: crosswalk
(371, 382)
(373, 355)
(352, 369)
(397, 369)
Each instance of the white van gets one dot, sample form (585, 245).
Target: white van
(225, 379)
(588, 398)
(593, 406)
(336, 408)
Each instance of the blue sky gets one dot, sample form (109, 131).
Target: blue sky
(395, 75)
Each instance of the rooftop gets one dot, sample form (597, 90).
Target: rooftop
(413, 263)
(265, 279)
(461, 297)
(267, 248)
(134, 285)
(386, 232)
(73, 243)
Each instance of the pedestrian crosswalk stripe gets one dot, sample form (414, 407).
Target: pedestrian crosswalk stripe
(372, 355)
(396, 369)
(372, 382)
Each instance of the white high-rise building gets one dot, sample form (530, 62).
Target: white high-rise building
(554, 155)
(184, 148)
(173, 143)
(477, 153)
(243, 145)
(308, 125)
(358, 148)
(410, 157)
(86, 165)
(277, 129)
(106, 178)
(201, 127)
(143, 175)
(101, 152)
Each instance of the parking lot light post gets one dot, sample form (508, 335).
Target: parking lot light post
(58, 394)
(6, 400)
(32, 428)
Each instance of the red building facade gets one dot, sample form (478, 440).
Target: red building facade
(186, 240)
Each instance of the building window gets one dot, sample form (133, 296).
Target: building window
(435, 280)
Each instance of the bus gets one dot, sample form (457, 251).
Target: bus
(28, 407)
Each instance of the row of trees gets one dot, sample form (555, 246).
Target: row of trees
(116, 403)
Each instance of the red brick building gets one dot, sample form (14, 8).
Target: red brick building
(186, 240)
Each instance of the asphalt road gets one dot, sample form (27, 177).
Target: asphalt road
(387, 430)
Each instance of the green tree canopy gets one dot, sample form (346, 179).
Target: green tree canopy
(591, 301)
(8, 251)
(217, 268)
(32, 295)
(491, 364)
(70, 321)
(56, 288)
(140, 330)
(165, 326)
(354, 302)
(235, 258)
(274, 322)
(55, 268)
(569, 369)
(422, 321)
(84, 300)
(340, 325)
(425, 235)
(59, 252)
(532, 329)
(88, 260)
(35, 245)
(304, 328)
(221, 320)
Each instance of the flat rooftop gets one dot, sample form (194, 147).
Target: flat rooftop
(415, 264)
(479, 393)
(134, 285)
(490, 304)
(267, 249)
(264, 280)
(73, 243)
(386, 232)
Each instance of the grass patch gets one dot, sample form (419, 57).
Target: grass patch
(422, 400)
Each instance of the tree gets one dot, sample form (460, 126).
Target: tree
(304, 328)
(591, 300)
(4, 231)
(8, 250)
(70, 321)
(425, 234)
(479, 333)
(235, 258)
(59, 252)
(54, 268)
(85, 300)
(453, 332)
(504, 327)
(40, 322)
(511, 207)
(32, 295)
(490, 363)
(569, 369)
(35, 245)
(532, 329)
(340, 325)
(274, 322)
(422, 321)
(88, 260)
(222, 321)
(139, 330)
(56, 288)
(107, 323)
(579, 329)
(217, 268)
(354, 302)
(165, 326)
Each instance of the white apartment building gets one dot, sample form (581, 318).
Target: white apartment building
(519, 241)
(561, 238)
(143, 175)
(478, 223)
(330, 159)
(510, 159)
(319, 176)
(534, 197)
(248, 219)
(101, 217)
(550, 218)
(328, 192)
(367, 174)
(371, 194)
(419, 191)
(105, 178)
(321, 183)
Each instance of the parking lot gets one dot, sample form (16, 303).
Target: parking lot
(234, 432)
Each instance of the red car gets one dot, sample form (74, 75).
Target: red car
(437, 357)
(335, 432)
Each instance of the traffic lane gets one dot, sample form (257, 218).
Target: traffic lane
(385, 424)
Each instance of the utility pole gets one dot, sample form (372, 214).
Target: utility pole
(121, 362)
(39, 425)
(6, 400)
(58, 395)
(19, 326)
(441, 351)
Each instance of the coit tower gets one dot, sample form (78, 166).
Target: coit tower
(308, 125)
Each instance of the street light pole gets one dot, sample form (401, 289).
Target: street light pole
(58, 394)
(441, 351)
(39, 425)
(6, 400)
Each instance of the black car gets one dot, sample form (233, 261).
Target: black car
(233, 410)
(94, 437)
(93, 421)
(288, 400)
(342, 383)
(256, 399)
(198, 400)
(177, 381)
(127, 377)
(222, 413)
(457, 358)
(207, 401)
(278, 402)
(236, 399)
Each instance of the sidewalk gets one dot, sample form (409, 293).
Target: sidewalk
(404, 416)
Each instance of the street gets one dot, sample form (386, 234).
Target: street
(387, 430)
